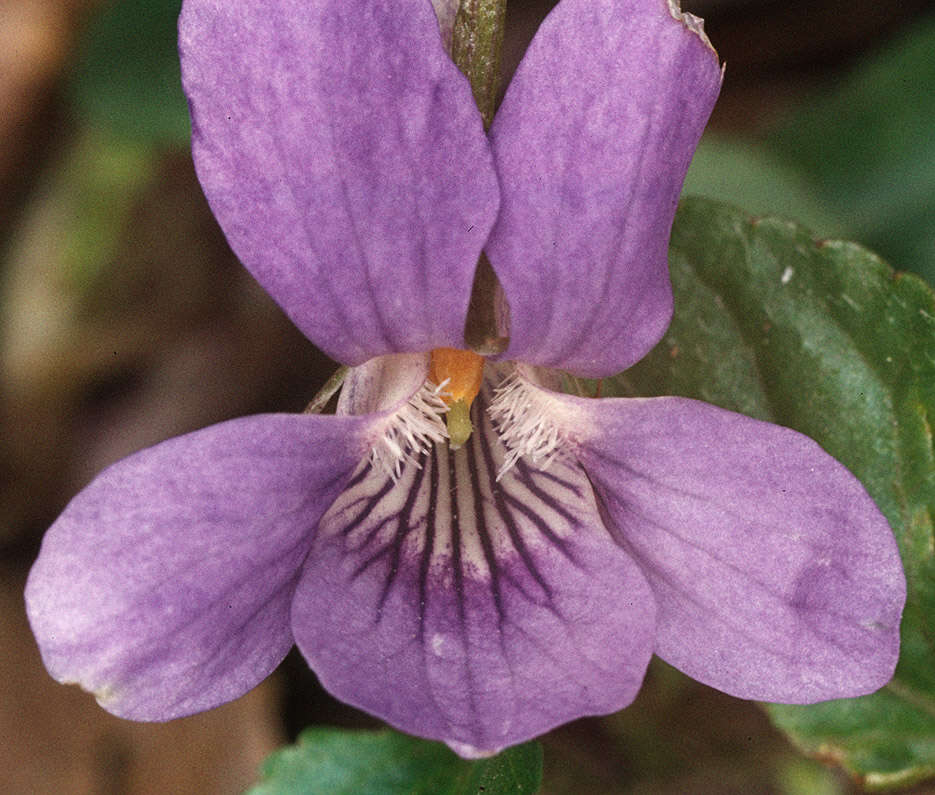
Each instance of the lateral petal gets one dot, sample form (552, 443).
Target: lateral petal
(592, 143)
(777, 577)
(165, 586)
(477, 612)
(344, 157)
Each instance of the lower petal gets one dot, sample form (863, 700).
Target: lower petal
(165, 586)
(777, 578)
(475, 611)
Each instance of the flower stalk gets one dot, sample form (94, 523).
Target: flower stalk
(476, 45)
(328, 391)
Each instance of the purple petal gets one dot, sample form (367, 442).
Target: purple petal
(777, 578)
(165, 586)
(475, 612)
(592, 143)
(344, 157)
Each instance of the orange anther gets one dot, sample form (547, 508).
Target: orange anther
(464, 371)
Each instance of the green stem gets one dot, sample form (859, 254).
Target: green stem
(482, 329)
(476, 43)
(332, 385)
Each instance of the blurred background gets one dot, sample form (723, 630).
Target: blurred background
(125, 319)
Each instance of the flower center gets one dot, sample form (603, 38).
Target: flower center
(506, 399)
(460, 374)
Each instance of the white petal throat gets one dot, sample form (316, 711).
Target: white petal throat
(518, 410)
(450, 518)
(412, 431)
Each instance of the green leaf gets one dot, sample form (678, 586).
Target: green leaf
(339, 762)
(824, 337)
(128, 80)
(866, 145)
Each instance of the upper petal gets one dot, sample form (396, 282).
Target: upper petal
(470, 610)
(592, 143)
(165, 586)
(345, 159)
(777, 577)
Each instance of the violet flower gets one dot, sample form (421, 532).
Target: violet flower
(485, 594)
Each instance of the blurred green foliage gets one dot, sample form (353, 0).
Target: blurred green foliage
(127, 79)
(867, 145)
(759, 181)
(96, 188)
(857, 160)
